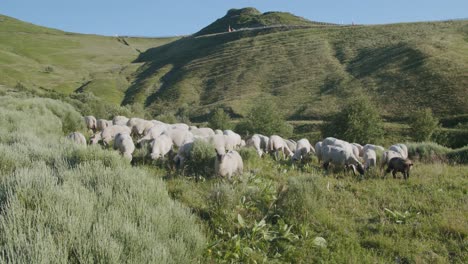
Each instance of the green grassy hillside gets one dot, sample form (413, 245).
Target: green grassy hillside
(309, 70)
(42, 58)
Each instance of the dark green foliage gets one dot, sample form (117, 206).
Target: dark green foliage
(202, 159)
(422, 124)
(459, 156)
(359, 121)
(451, 137)
(264, 118)
(220, 120)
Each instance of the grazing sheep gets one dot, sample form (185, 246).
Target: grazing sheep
(124, 144)
(259, 142)
(119, 121)
(277, 144)
(399, 164)
(373, 147)
(218, 132)
(139, 126)
(202, 132)
(183, 154)
(229, 164)
(160, 146)
(318, 151)
(303, 150)
(233, 140)
(77, 138)
(180, 126)
(341, 157)
(219, 143)
(370, 159)
(356, 150)
(90, 122)
(179, 136)
(400, 148)
(292, 145)
(102, 123)
(387, 156)
(331, 141)
(109, 133)
(360, 149)
(152, 133)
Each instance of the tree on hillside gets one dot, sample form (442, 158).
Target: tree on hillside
(220, 120)
(359, 121)
(264, 118)
(422, 124)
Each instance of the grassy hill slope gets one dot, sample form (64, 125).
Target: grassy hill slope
(39, 57)
(308, 71)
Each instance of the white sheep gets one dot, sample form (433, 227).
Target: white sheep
(77, 138)
(292, 145)
(219, 143)
(400, 148)
(303, 150)
(183, 154)
(259, 142)
(318, 150)
(202, 132)
(102, 123)
(160, 146)
(233, 140)
(139, 126)
(218, 132)
(119, 121)
(179, 136)
(124, 144)
(229, 164)
(341, 157)
(373, 147)
(109, 133)
(277, 144)
(359, 147)
(370, 158)
(90, 122)
(152, 133)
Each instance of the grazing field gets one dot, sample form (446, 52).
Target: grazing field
(66, 203)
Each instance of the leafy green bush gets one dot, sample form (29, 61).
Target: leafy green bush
(458, 155)
(427, 151)
(264, 118)
(220, 120)
(358, 121)
(202, 159)
(422, 124)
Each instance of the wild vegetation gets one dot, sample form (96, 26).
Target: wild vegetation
(62, 203)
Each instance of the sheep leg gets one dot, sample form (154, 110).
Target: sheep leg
(394, 172)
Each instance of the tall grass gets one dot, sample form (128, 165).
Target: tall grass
(62, 203)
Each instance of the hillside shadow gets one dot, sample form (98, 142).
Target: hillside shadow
(372, 60)
(179, 54)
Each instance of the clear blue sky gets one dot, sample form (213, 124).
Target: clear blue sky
(182, 17)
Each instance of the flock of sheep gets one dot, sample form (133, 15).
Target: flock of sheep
(164, 138)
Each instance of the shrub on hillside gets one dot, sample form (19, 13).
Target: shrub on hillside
(220, 120)
(358, 121)
(264, 118)
(422, 124)
(202, 159)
